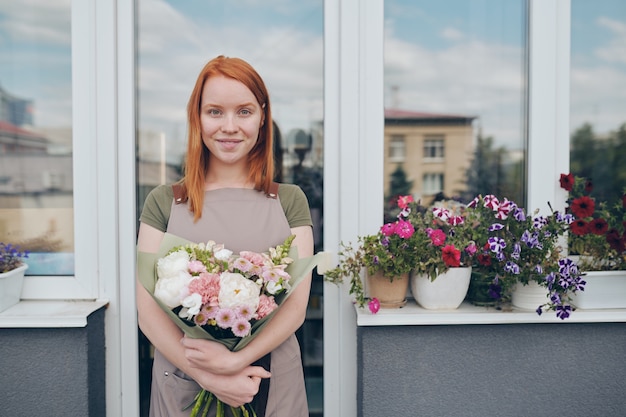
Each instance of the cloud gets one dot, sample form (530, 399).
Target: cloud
(615, 49)
(40, 21)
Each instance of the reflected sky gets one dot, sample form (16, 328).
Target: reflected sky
(283, 39)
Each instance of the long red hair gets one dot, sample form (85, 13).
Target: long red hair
(260, 158)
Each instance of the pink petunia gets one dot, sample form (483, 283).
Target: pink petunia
(388, 229)
(404, 200)
(404, 229)
(437, 237)
(374, 305)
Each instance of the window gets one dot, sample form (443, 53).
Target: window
(432, 183)
(456, 70)
(598, 104)
(36, 176)
(397, 148)
(433, 148)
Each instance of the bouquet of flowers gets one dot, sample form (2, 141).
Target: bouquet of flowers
(214, 294)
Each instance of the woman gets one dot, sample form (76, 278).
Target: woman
(227, 195)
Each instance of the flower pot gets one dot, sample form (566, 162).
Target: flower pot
(390, 293)
(11, 287)
(603, 289)
(446, 292)
(478, 292)
(529, 296)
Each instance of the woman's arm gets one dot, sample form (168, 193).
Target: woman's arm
(218, 359)
(165, 335)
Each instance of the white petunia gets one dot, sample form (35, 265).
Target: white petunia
(237, 291)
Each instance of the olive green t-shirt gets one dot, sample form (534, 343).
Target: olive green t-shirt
(158, 204)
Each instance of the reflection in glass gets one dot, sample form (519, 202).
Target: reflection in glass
(283, 40)
(36, 189)
(598, 98)
(454, 89)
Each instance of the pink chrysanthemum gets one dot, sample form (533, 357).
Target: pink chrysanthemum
(241, 328)
(210, 311)
(201, 319)
(225, 318)
(245, 312)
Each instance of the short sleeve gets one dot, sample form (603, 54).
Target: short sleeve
(295, 205)
(157, 207)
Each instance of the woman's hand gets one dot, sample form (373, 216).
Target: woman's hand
(211, 356)
(234, 390)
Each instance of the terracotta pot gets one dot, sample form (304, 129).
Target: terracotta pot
(391, 293)
(446, 292)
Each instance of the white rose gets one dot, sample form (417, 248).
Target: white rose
(236, 290)
(172, 264)
(191, 306)
(223, 254)
(170, 290)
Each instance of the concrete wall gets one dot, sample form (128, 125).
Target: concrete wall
(54, 371)
(564, 369)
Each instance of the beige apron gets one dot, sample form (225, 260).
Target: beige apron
(241, 219)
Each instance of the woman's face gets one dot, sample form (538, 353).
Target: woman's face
(230, 118)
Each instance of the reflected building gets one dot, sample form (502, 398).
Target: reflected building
(434, 150)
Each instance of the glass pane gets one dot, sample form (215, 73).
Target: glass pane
(283, 41)
(36, 189)
(454, 89)
(598, 96)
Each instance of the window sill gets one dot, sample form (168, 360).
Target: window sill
(413, 315)
(49, 313)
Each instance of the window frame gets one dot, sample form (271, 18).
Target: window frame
(397, 148)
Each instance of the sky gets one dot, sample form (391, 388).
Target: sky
(453, 56)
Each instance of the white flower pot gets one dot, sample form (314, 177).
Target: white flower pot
(604, 289)
(446, 292)
(11, 287)
(529, 296)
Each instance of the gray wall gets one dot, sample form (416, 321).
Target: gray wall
(563, 369)
(53, 371)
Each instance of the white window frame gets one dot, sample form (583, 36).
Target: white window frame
(353, 80)
(432, 183)
(436, 142)
(397, 148)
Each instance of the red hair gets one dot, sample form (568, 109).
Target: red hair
(260, 158)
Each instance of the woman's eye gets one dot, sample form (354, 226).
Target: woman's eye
(214, 112)
(245, 112)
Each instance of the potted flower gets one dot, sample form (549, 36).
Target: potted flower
(12, 269)
(598, 237)
(384, 259)
(519, 250)
(444, 250)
